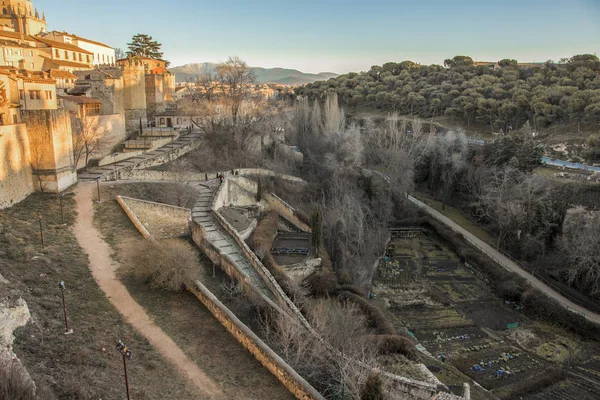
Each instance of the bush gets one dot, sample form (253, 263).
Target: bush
(394, 344)
(372, 389)
(375, 317)
(167, 265)
(323, 284)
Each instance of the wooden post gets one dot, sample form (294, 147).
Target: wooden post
(41, 230)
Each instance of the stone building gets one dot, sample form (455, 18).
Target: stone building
(64, 56)
(102, 53)
(65, 80)
(103, 84)
(22, 17)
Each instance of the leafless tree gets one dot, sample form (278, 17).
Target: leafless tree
(88, 138)
(235, 78)
(581, 243)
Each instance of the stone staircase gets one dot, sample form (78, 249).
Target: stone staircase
(96, 173)
(222, 240)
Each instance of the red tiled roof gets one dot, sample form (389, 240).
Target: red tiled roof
(83, 39)
(61, 45)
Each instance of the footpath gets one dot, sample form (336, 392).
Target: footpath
(104, 269)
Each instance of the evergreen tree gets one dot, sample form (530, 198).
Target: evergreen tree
(143, 45)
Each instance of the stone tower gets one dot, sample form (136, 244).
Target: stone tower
(134, 93)
(22, 16)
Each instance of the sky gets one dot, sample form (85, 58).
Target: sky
(335, 35)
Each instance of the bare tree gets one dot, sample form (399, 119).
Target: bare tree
(88, 138)
(235, 78)
(37, 143)
(581, 243)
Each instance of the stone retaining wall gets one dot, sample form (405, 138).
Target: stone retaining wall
(134, 219)
(263, 353)
(154, 161)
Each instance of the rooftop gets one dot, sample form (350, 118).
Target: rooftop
(60, 45)
(83, 39)
(80, 99)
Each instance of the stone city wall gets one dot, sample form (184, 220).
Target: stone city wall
(263, 353)
(15, 165)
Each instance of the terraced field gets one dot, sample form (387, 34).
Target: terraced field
(453, 314)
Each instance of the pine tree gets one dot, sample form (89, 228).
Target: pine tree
(143, 45)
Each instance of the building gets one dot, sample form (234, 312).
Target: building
(81, 106)
(64, 56)
(20, 55)
(22, 17)
(65, 80)
(102, 53)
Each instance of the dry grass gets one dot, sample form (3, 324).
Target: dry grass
(73, 366)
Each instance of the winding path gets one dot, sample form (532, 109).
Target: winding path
(103, 268)
(507, 263)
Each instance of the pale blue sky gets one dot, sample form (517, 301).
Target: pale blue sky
(337, 35)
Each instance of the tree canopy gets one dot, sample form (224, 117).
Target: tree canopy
(503, 96)
(143, 45)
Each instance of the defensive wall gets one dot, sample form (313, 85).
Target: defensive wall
(15, 165)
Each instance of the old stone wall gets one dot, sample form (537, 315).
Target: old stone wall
(112, 132)
(15, 165)
(263, 353)
(51, 148)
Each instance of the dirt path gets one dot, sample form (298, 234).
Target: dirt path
(507, 263)
(103, 268)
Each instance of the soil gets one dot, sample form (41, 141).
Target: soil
(104, 271)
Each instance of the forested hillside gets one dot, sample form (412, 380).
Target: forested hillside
(503, 97)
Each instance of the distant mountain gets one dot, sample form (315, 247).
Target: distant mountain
(283, 76)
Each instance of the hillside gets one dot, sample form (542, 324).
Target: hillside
(282, 76)
(501, 98)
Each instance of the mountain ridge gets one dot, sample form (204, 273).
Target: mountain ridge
(277, 75)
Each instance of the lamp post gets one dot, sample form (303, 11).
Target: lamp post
(114, 155)
(62, 214)
(121, 348)
(98, 187)
(61, 286)
(41, 230)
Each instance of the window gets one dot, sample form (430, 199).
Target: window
(56, 53)
(66, 55)
(88, 58)
(22, 94)
(32, 65)
(48, 95)
(35, 94)
(162, 121)
(30, 53)
(80, 58)
(19, 53)
(9, 52)
(15, 119)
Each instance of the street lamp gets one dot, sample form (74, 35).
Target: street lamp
(62, 214)
(98, 187)
(121, 348)
(41, 230)
(114, 155)
(61, 286)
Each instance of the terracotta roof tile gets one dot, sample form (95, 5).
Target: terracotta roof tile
(60, 45)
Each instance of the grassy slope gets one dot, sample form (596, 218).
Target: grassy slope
(73, 366)
(186, 320)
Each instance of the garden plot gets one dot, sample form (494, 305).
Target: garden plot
(492, 314)
(455, 341)
(571, 388)
(432, 317)
(501, 366)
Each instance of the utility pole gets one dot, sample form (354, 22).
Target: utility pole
(41, 230)
(121, 348)
(61, 286)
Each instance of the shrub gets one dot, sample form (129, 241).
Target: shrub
(394, 344)
(166, 265)
(323, 284)
(372, 389)
(376, 319)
